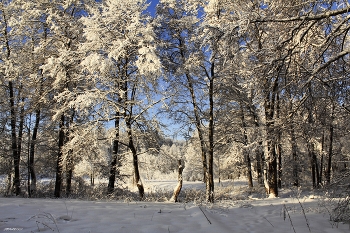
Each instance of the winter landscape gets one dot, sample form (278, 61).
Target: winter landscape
(240, 212)
(174, 116)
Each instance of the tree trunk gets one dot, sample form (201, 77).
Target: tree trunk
(177, 190)
(210, 171)
(271, 163)
(245, 144)
(312, 162)
(9, 183)
(114, 161)
(15, 153)
(137, 178)
(19, 145)
(295, 159)
(69, 173)
(330, 149)
(259, 156)
(92, 177)
(270, 177)
(32, 153)
(321, 160)
(271, 183)
(259, 163)
(317, 170)
(279, 168)
(69, 159)
(61, 137)
(198, 126)
(279, 146)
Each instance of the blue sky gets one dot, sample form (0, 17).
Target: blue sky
(152, 6)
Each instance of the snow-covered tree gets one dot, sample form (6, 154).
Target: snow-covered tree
(121, 67)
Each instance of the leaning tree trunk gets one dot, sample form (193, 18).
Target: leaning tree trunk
(198, 126)
(177, 189)
(137, 178)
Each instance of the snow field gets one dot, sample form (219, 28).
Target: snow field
(258, 215)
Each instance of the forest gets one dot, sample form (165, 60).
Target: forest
(198, 90)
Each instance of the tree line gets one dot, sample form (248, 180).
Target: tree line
(254, 86)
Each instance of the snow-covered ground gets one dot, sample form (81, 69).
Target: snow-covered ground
(284, 214)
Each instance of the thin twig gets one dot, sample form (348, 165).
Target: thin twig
(307, 221)
(204, 215)
(268, 221)
(291, 223)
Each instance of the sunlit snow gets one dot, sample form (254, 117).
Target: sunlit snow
(245, 214)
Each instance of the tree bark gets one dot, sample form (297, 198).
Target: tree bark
(177, 190)
(61, 137)
(279, 145)
(259, 163)
(69, 159)
(245, 144)
(114, 161)
(198, 126)
(32, 153)
(271, 183)
(15, 153)
(210, 171)
(295, 158)
(132, 147)
(312, 162)
(330, 149)
(19, 145)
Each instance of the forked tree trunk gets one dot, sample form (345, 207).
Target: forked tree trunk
(178, 188)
